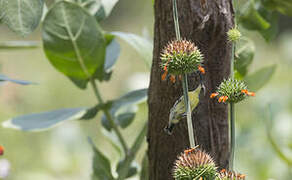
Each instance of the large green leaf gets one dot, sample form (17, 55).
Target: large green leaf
(105, 9)
(282, 6)
(101, 165)
(4, 78)
(73, 41)
(112, 53)
(244, 55)
(272, 18)
(45, 120)
(22, 16)
(123, 109)
(251, 19)
(101, 9)
(142, 45)
(259, 78)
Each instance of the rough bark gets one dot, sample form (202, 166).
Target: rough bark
(207, 28)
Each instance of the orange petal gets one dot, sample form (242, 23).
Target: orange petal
(201, 69)
(201, 178)
(251, 93)
(172, 78)
(225, 98)
(214, 95)
(163, 77)
(223, 171)
(165, 68)
(188, 151)
(244, 91)
(221, 99)
(1, 150)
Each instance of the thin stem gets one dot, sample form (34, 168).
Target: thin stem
(175, 19)
(188, 111)
(133, 152)
(232, 60)
(232, 133)
(184, 81)
(232, 111)
(109, 117)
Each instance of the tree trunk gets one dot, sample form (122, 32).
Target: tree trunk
(206, 24)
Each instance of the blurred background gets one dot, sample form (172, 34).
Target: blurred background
(63, 152)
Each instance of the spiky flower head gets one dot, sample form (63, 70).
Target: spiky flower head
(194, 164)
(229, 175)
(232, 90)
(234, 34)
(181, 56)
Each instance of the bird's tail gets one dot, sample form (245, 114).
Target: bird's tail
(169, 128)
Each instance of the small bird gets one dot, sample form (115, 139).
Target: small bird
(177, 112)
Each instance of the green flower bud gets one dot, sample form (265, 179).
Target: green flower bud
(232, 90)
(194, 164)
(180, 57)
(233, 35)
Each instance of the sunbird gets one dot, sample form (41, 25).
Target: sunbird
(178, 111)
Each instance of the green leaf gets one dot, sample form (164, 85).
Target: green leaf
(113, 140)
(92, 112)
(126, 119)
(111, 57)
(105, 9)
(73, 41)
(122, 108)
(251, 19)
(4, 78)
(131, 171)
(101, 165)
(282, 6)
(44, 120)
(244, 54)
(272, 18)
(101, 9)
(259, 78)
(144, 175)
(18, 44)
(124, 170)
(21, 16)
(142, 45)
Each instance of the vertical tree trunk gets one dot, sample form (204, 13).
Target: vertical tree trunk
(206, 24)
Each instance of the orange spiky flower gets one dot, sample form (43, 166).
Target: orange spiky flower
(180, 57)
(231, 90)
(194, 163)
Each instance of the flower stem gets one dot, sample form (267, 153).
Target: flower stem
(109, 117)
(188, 111)
(184, 81)
(232, 133)
(232, 117)
(175, 19)
(133, 152)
